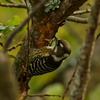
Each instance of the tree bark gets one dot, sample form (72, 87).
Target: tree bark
(84, 61)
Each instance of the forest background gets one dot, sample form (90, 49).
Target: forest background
(56, 82)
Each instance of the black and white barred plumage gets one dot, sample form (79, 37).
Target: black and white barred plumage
(49, 58)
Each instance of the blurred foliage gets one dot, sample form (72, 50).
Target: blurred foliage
(10, 26)
(95, 94)
(11, 17)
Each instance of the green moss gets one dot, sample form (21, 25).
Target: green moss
(52, 5)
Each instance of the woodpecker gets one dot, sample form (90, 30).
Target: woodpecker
(49, 58)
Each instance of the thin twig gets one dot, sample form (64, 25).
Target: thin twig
(27, 58)
(77, 19)
(12, 34)
(17, 5)
(42, 95)
(69, 83)
(14, 47)
(81, 12)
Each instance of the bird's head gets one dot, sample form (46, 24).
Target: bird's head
(61, 50)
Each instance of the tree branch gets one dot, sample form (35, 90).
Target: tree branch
(82, 74)
(42, 95)
(54, 19)
(81, 12)
(17, 5)
(69, 83)
(77, 19)
(14, 46)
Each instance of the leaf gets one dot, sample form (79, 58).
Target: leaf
(11, 25)
(8, 29)
(14, 21)
(2, 27)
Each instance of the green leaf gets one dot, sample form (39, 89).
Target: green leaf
(2, 27)
(14, 21)
(11, 25)
(8, 29)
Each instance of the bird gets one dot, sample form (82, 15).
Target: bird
(48, 58)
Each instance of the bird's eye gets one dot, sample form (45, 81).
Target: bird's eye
(61, 45)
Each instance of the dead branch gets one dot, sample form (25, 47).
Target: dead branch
(81, 12)
(77, 19)
(42, 95)
(69, 83)
(17, 5)
(14, 46)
